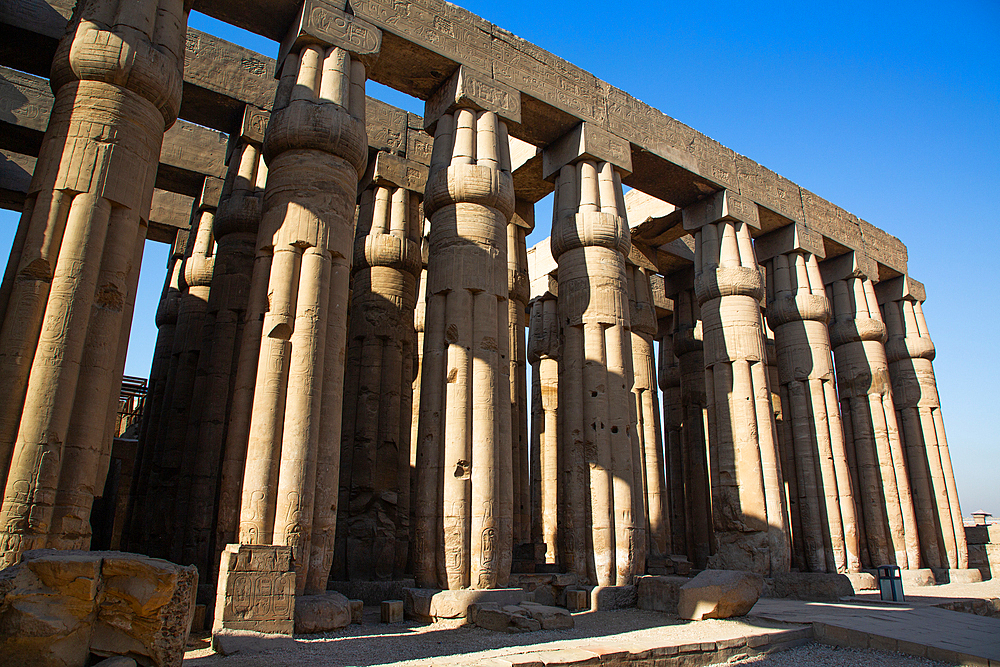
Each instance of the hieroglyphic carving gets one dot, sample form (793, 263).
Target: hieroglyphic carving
(386, 126)
(767, 188)
(471, 89)
(256, 589)
(25, 100)
(589, 141)
(324, 22)
(228, 69)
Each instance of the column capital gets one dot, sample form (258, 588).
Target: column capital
(586, 141)
(724, 205)
(852, 264)
(678, 281)
(791, 238)
(325, 22)
(900, 288)
(469, 89)
(211, 192)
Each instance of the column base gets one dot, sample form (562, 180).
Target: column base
(427, 604)
(920, 577)
(955, 576)
(372, 592)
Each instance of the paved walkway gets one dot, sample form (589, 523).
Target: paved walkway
(916, 627)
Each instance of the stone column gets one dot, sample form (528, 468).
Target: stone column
(235, 229)
(93, 182)
(543, 353)
(419, 320)
(521, 224)
(875, 453)
(375, 444)
(642, 318)
(798, 312)
(603, 531)
(171, 450)
(910, 353)
(747, 496)
(689, 349)
(166, 323)
(675, 496)
(464, 500)
(316, 150)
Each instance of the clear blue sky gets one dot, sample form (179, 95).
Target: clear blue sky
(891, 111)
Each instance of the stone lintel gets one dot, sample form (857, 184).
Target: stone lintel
(524, 214)
(678, 281)
(253, 125)
(643, 256)
(789, 239)
(467, 88)
(720, 206)
(542, 270)
(169, 214)
(900, 288)
(396, 171)
(25, 99)
(586, 141)
(326, 23)
(849, 265)
(883, 247)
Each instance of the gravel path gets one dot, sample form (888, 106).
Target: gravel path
(821, 655)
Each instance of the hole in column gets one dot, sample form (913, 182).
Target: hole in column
(614, 429)
(593, 394)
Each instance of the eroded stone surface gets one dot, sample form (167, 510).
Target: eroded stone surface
(719, 594)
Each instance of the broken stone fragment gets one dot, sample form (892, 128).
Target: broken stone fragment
(719, 594)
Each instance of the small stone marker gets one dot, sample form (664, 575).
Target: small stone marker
(392, 611)
(577, 599)
(357, 610)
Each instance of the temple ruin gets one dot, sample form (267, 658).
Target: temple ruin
(725, 368)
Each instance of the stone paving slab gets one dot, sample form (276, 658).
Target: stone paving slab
(926, 631)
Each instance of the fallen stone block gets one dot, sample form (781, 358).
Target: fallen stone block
(392, 611)
(920, 577)
(719, 594)
(520, 623)
(606, 598)
(475, 607)
(955, 576)
(227, 642)
(357, 610)
(256, 589)
(818, 586)
(496, 619)
(659, 593)
(862, 581)
(682, 566)
(321, 613)
(116, 661)
(577, 599)
(429, 605)
(59, 607)
(550, 618)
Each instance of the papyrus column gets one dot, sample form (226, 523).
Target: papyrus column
(669, 378)
(521, 224)
(642, 318)
(235, 229)
(874, 451)
(375, 445)
(747, 496)
(910, 353)
(688, 347)
(464, 496)
(798, 312)
(316, 150)
(85, 212)
(604, 535)
(543, 354)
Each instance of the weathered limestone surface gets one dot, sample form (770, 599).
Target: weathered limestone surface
(65, 310)
(543, 350)
(256, 589)
(650, 475)
(823, 520)
(374, 507)
(719, 594)
(874, 451)
(59, 607)
(521, 224)
(316, 151)
(910, 353)
(747, 492)
(669, 380)
(603, 530)
(464, 501)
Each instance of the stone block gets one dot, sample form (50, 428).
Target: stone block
(719, 594)
(606, 598)
(392, 611)
(357, 610)
(493, 618)
(59, 607)
(429, 604)
(523, 624)
(659, 593)
(862, 581)
(198, 620)
(321, 613)
(227, 642)
(325, 22)
(682, 566)
(920, 577)
(967, 576)
(545, 594)
(820, 586)
(577, 599)
(116, 661)
(471, 89)
(372, 592)
(256, 589)
(723, 205)
(550, 618)
(589, 141)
